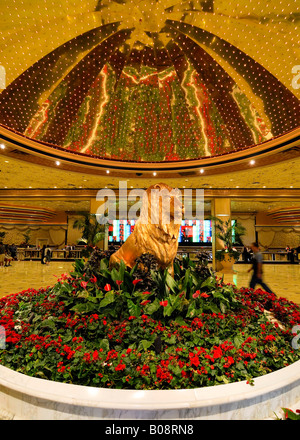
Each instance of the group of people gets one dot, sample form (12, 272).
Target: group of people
(292, 254)
(8, 253)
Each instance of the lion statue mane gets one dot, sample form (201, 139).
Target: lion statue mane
(156, 230)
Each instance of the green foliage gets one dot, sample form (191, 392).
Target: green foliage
(92, 230)
(98, 326)
(225, 232)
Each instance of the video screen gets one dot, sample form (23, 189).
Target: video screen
(191, 231)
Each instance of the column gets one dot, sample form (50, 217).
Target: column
(220, 208)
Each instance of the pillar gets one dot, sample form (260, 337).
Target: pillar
(94, 205)
(220, 208)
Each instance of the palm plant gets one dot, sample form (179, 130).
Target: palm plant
(225, 231)
(92, 230)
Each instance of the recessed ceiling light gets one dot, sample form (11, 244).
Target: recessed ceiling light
(154, 174)
(252, 162)
(57, 163)
(202, 171)
(107, 171)
(2, 146)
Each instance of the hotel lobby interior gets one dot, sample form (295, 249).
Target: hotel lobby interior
(198, 95)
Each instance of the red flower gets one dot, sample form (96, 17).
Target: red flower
(196, 294)
(146, 301)
(120, 367)
(146, 293)
(217, 353)
(107, 287)
(134, 282)
(119, 282)
(204, 295)
(270, 338)
(93, 279)
(83, 284)
(164, 303)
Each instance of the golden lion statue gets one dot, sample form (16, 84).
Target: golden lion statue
(157, 229)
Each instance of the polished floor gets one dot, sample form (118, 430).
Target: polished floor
(283, 279)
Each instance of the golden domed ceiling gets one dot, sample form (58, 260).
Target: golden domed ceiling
(150, 81)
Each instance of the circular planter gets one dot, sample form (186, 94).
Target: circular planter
(24, 397)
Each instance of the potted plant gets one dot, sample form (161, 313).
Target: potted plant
(92, 232)
(229, 233)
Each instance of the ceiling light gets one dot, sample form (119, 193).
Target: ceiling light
(252, 162)
(107, 171)
(57, 163)
(202, 171)
(154, 174)
(2, 146)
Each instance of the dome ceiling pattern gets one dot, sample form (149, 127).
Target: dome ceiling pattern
(151, 81)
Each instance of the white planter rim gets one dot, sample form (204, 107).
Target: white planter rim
(94, 397)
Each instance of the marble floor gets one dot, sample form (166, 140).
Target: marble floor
(22, 275)
(283, 279)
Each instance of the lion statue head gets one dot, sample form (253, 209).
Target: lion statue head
(157, 229)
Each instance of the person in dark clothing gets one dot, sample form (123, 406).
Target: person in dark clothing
(48, 254)
(43, 259)
(257, 262)
(246, 254)
(2, 254)
(13, 251)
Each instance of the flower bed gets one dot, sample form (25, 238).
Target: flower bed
(129, 330)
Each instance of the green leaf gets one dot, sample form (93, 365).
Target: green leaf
(191, 312)
(291, 415)
(223, 307)
(108, 299)
(209, 282)
(144, 345)
(171, 283)
(104, 344)
(48, 323)
(180, 320)
(171, 340)
(152, 307)
(84, 307)
(103, 265)
(134, 309)
(238, 340)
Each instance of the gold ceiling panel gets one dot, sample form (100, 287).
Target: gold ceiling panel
(150, 81)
